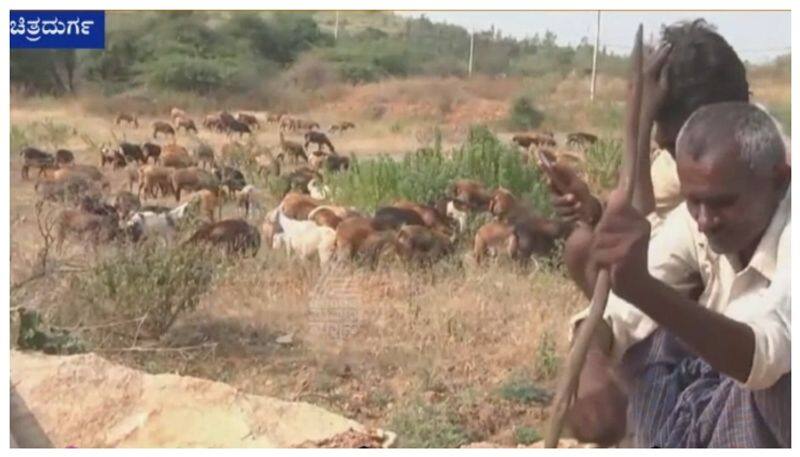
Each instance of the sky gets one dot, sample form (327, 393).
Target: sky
(756, 36)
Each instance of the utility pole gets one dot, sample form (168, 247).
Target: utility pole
(336, 27)
(471, 49)
(594, 57)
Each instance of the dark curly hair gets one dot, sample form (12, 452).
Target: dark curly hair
(702, 69)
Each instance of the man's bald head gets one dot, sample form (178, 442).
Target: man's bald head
(723, 128)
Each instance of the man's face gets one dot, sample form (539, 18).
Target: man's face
(731, 204)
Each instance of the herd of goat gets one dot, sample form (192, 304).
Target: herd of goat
(304, 222)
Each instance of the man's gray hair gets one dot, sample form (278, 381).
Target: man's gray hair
(756, 133)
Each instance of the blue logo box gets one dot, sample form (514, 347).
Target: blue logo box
(58, 29)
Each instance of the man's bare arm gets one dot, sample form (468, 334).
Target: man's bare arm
(727, 345)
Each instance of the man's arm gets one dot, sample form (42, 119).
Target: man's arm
(727, 345)
(621, 244)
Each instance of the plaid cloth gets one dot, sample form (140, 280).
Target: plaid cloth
(678, 400)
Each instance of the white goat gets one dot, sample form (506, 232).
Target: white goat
(318, 190)
(305, 238)
(458, 215)
(149, 224)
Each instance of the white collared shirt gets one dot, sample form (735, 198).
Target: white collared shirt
(758, 295)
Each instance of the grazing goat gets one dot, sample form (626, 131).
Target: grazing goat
(175, 156)
(248, 119)
(526, 140)
(151, 150)
(239, 127)
(83, 225)
(192, 179)
(231, 178)
(414, 242)
(132, 152)
(90, 172)
(458, 212)
(213, 122)
(64, 157)
(305, 238)
(320, 139)
(235, 235)
(129, 118)
(532, 234)
(294, 150)
(392, 218)
(185, 123)
(246, 198)
(342, 127)
(269, 165)
(35, 158)
(471, 193)
(145, 225)
(298, 179)
(492, 238)
(66, 187)
(113, 156)
(204, 154)
(153, 178)
(325, 216)
(298, 206)
(357, 236)
(162, 127)
(580, 139)
(161, 222)
(318, 190)
(176, 112)
(126, 203)
(430, 216)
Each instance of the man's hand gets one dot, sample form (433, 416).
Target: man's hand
(571, 197)
(620, 244)
(655, 85)
(599, 412)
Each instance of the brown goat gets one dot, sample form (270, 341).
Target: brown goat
(95, 227)
(356, 237)
(175, 156)
(236, 236)
(193, 178)
(185, 123)
(153, 178)
(162, 127)
(425, 245)
(472, 193)
(493, 237)
(129, 118)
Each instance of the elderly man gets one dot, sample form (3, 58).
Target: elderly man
(699, 68)
(712, 370)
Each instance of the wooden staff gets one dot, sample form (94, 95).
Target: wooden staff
(628, 178)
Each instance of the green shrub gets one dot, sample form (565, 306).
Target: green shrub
(420, 425)
(520, 388)
(524, 115)
(151, 282)
(425, 175)
(546, 357)
(526, 435)
(603, 160)
(19, 139)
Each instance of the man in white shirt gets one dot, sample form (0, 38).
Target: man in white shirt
(699, 321)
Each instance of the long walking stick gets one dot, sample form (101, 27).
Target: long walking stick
(568, 385)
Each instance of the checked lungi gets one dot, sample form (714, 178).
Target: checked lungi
(675, 399)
